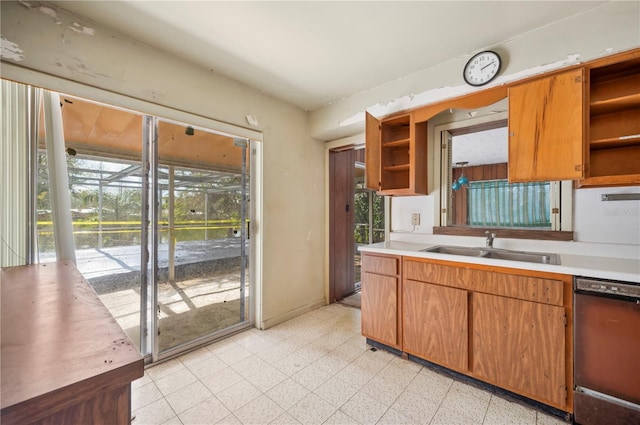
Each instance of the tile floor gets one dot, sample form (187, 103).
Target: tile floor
(314, 369)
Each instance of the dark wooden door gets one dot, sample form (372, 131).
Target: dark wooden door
(341, 224)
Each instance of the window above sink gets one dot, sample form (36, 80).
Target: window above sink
(472, 175)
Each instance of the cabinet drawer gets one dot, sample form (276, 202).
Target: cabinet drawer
(380, 265)
(536, 289)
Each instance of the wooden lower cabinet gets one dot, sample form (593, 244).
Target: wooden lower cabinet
(381, 299)
(379, 306)
(508, 327)
(435, 324)
(520, 345)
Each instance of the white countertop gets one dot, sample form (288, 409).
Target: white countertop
(623, 269)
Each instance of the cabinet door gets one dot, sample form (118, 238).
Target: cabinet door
(372, 152)
(520, 345)
(379, 308)
(546, 128)
(434, 323)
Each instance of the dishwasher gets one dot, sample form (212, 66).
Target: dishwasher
(607, 352)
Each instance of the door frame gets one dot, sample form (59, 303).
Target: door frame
(355, 142)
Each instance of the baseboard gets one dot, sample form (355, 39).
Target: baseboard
(273, 321)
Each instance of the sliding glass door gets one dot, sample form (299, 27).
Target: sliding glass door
(202, 245)
(160, 213)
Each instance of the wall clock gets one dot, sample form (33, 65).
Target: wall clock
(482, 68)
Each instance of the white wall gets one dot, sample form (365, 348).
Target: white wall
(607, 29)
(613, 222)
(66, 53)
(610, 27)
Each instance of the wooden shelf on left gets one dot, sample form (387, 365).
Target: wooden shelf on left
(65, 359)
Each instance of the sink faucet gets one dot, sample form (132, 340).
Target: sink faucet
(489, 240)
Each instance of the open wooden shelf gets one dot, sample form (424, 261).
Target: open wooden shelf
(397, 143)
(614, 124)
(396, 168)
(618, 94)
(396, 130)
(615, 142)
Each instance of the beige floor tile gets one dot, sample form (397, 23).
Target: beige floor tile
(221, 380)
(164, 369)
(173, 421)
(188, 396)
(400, 372)
(253, 340)
(233, 354)
(430, 385)
(142, 396)
(312, 369)
(273, 353)
(311, 377)
(393, 417)
(502, 411)
(340, 418)
(207, 367)
(285, 419)
(291, 364)
(141, 381)
(287, 393)
(544, 419)
(462, 402)
(446, 416)
(261, 410)
(471, 390)
(352, 349)
(153, 414)
(312, 410)
(382, 390)
(364, 409)
(176, 381)
(335, 391)
(221, 346)
(238, 395)
(229, 420)
(208, 411)
(421, 410)
(355, 376)
(373, 361)
(249, 365)
(333, 339)
(311, 352)
(196, 356)
(267, 378)
(331, 363)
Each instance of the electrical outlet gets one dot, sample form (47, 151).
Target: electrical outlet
(415, 219)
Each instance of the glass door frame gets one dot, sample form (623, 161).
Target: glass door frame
(149, 303)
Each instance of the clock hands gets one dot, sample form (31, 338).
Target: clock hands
(489, 64)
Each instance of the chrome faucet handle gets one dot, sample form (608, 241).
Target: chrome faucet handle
(490, 238)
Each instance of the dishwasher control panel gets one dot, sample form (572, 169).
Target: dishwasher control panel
(623, 289)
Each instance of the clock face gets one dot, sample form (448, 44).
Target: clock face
(482, 68)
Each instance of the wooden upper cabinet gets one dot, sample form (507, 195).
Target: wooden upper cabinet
(396, 155)
(372, 153)
(547, 127)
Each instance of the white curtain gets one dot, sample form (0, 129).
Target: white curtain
(15, 176)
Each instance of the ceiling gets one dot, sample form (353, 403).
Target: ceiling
(96, 130)
(315, 53)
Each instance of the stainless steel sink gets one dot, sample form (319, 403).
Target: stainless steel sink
(498, 254)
